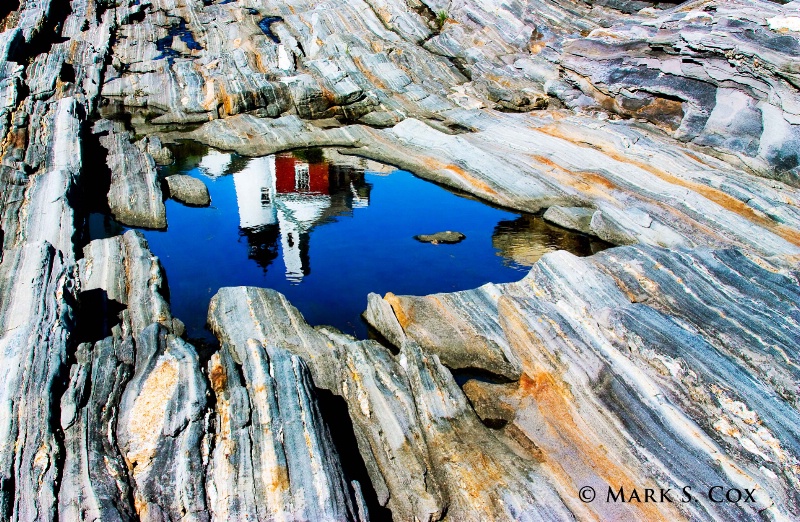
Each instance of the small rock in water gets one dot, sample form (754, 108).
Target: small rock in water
(447, 237)
(189, 190)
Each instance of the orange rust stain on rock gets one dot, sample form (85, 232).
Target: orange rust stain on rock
(280, 480)
(553, 399)
(469, 178)
(590, 178)
(722, 199)
(218, 378)
(148, 412)
(19, 139)
(366, 72)
(397, 308)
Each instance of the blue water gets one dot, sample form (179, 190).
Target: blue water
(347, 253)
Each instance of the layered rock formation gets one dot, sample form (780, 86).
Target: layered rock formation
(631, 346)
(672, 128)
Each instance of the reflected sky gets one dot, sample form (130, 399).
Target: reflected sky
(326, 230)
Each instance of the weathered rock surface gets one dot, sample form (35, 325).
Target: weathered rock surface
(153, 146)
(425, 451)
(95, 484)
(721, 77)
(575, 218)
(135, 195)
(37, 275)
(251, 136)
(189, 190)
(161, 429)
(448, 236)
(129, 274)
(273, 457)
(704, 397)
(670, 127)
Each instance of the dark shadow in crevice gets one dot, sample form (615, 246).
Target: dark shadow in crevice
(90, 200)
(8, 7)
(374, 335)
(494, 424)
(49, 32)
(205, 348)
(95, 316)
(462, 375)
(67, 74)
(335, 415)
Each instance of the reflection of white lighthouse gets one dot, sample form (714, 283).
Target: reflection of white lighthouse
(255, 193)
(286, 192)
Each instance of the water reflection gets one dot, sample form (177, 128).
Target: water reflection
(281, 198)
(526, 239)
(326, 230)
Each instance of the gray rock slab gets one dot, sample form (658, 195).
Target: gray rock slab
(639, 330)
(447, 237)
(574, 218)
(189, 190)
(161, 428)
(135, 195)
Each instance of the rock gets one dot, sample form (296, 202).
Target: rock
(625, 326)
(491, 401)
(37, 275)
(250, 136)
(410, 418)
(309, 99)
(671, 128)
(152, 145)
(135, 195)
(161, 429)
(447, 237)
(574, 218)
(273, 456)
(189, 190)
(453, 338)
(607, 228)
(129, 274)
(647, 70)
(94, 484)
(34, 331)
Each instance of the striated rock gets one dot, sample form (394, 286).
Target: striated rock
(718, 77)
(574, 218)
(493, 403)
(457, 342)
(636, 332)
(129, 274)
(95, 484)
(447, 237)
(189, 190)
(152, 145)
(273, 457)
(37, 275)
(252, 136)
(135, 195)
(672, 128)
(161, 429)
(34, 327)
(529, 163)
(409, 416)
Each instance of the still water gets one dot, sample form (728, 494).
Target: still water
(325, 230)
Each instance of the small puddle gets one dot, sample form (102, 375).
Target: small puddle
(325, 230)
(266, 27)
(165, 45)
